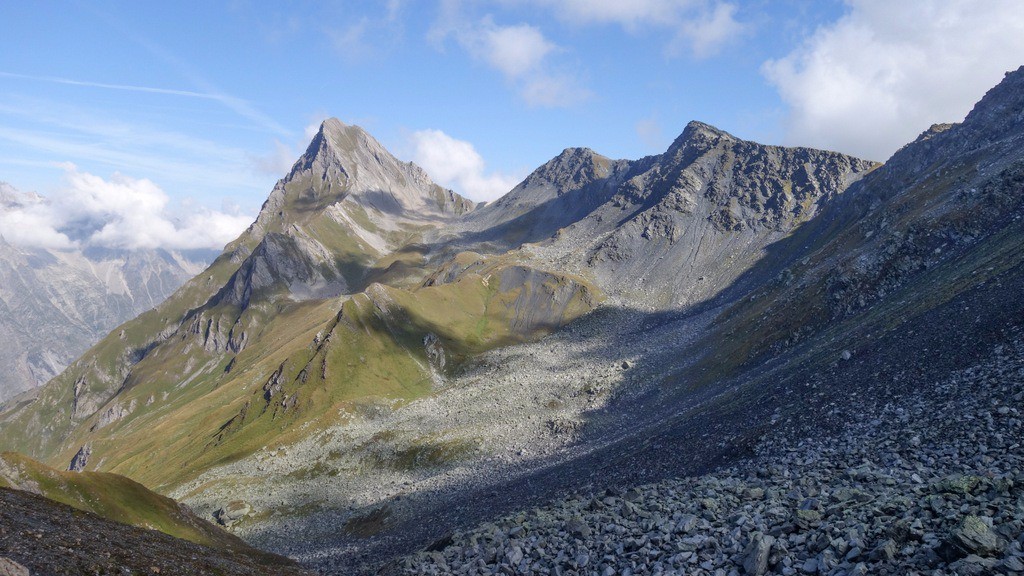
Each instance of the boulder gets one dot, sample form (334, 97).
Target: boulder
(232, 512)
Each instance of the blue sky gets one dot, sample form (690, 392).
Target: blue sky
(200, 107)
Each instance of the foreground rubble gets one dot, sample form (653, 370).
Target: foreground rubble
(930, 484)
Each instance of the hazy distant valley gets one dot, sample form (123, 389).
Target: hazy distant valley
(726, 358)
(56, 303)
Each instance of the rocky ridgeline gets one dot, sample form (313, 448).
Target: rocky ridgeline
(933, 484)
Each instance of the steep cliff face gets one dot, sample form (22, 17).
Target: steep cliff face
(54, 304)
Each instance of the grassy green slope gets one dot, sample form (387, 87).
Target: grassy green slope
(308, 365)
(115, 498)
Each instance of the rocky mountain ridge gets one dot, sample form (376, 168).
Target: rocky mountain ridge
(468, 369)
(639, 227)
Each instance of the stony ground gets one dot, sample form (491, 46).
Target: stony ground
(516, 405)
(932, 483)
(42, 538)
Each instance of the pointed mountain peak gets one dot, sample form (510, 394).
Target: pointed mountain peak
(345, 163)
(698, 138)
(572, 169)
(348, 144)
(349, 139)
(700, 135)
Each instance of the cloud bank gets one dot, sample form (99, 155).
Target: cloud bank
(886, 71)
(456, 164)
(120, 213)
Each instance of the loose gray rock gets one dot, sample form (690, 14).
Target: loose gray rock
(973, 536)
(757, 553)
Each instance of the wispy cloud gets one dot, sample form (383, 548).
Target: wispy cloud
(703, 27)
(60, 132)
(125, 87)
(237, 105)
(189, 73)
(520, 52)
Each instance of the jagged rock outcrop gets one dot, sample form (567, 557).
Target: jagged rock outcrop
(81, 459)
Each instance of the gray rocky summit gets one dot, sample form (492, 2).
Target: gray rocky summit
(668, 230)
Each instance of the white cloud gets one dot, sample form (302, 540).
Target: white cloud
(708, 32)
(885, 71)
(701, 26)
(30, 221)
(121, 212)
(514, 50)
(520, 52)
(456, 164)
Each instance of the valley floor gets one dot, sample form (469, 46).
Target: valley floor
(518, 410)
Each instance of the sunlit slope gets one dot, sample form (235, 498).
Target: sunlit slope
(185, 407)
(346, 216)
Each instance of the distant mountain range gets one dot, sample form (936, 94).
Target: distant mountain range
(376, 350)
(55, 304)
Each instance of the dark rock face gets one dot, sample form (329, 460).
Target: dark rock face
(81, 459)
